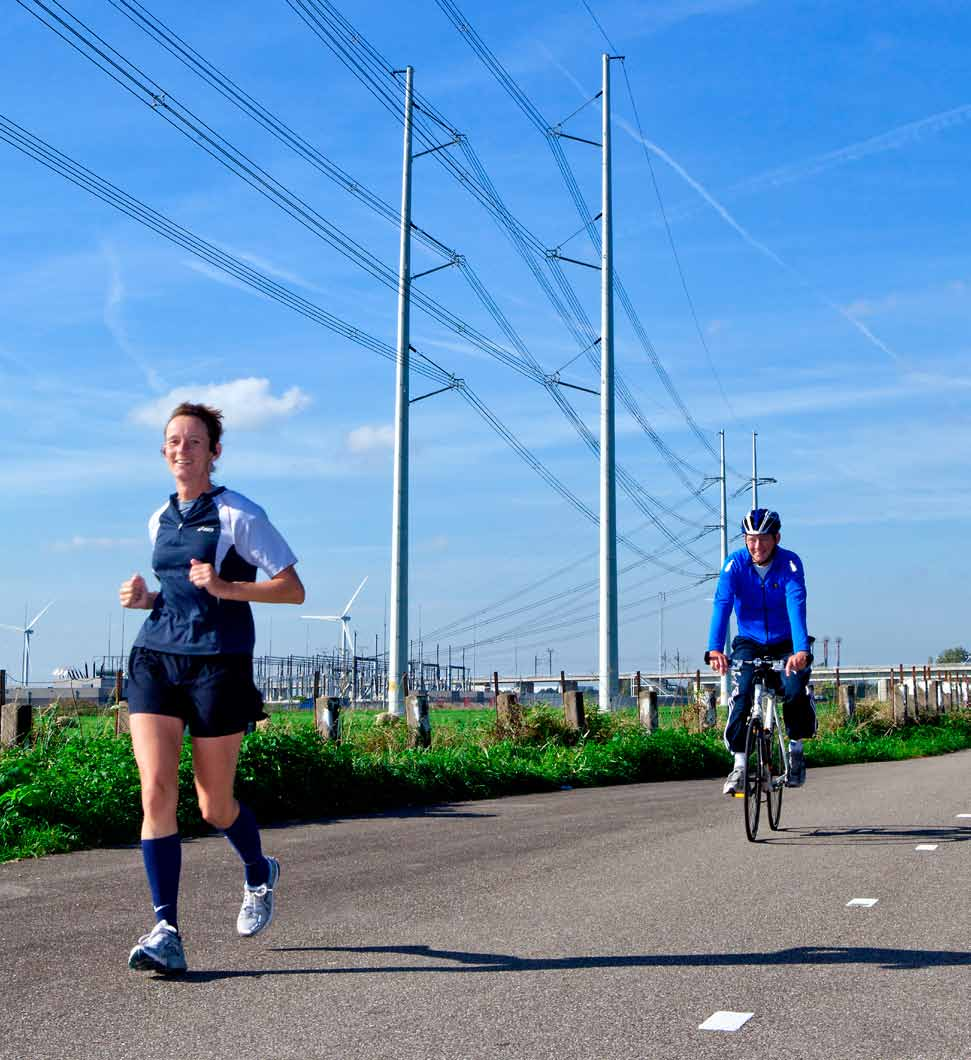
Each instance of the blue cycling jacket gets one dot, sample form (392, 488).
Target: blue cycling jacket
(766, 611)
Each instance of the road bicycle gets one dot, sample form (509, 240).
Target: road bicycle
(766, 751)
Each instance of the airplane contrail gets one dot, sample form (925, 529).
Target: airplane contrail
(888, 141)
(755, 243)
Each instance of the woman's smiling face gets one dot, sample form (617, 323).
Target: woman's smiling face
(187, 452)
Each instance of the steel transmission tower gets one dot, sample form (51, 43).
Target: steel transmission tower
(398, 641)
(608, 490)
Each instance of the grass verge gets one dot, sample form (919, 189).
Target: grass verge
(75, 788)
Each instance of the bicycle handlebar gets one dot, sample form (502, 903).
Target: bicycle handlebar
(761, 664)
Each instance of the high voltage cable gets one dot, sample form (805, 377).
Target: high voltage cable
(462, 24)
(79, 175)
(577, 321)
(481, 186)
(373, 74)
(140, 16)
(664, 213)
(182, 119)
(42, 152)
(544, 472)
(671, 243)
(159, 100)
(464, 625)
(136, 81)
(553, 627)
(179, 48)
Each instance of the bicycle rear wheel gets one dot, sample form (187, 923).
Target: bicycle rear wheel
(753, 778)
(776, 769)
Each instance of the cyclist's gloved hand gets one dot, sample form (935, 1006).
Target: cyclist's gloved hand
(799, 661)
(718, 661)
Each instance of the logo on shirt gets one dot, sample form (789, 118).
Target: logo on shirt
(793, 567)
(206, 529)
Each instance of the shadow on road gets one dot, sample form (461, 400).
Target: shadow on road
(463, 962)
(857, 834)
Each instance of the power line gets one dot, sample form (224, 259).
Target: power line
(145, 88)
(62, 164)
(664, 215)
(373, 70)
(462, 24)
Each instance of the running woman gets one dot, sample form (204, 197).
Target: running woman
(766, 585)
(192, 665)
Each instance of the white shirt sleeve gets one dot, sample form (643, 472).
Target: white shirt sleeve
(255, 538)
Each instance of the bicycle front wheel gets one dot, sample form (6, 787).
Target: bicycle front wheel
(776, 770)
(753, 778)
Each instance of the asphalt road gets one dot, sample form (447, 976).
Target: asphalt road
(598, 924)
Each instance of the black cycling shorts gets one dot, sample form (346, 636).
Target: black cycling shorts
(213, 694)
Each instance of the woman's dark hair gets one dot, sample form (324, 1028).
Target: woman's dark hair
(212, 418)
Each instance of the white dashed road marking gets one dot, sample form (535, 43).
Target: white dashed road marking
(725, 1021)
(926, 846)
(865, 902)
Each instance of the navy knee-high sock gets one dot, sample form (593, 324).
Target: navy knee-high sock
(244, 837)
(163, 864)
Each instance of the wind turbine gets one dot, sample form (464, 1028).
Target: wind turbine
(344, 618)
(28, 631)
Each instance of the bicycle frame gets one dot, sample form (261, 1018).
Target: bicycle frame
(766, 775)
(765, 711)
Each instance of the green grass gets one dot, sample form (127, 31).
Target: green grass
(76, 785)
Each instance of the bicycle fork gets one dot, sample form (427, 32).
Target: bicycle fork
(764, 712)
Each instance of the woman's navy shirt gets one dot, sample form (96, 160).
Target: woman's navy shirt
(232, 533)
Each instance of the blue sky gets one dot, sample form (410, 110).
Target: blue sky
(812, 163)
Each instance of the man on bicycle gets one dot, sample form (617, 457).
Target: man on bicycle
(767, 587)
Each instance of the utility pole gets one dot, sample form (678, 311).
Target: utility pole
(755, 470)
(660, 634)
(608, 490)
(550, 653)
(397, 659)
(756, 481)
(723, 683)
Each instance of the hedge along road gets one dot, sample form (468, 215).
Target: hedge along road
(600, 923)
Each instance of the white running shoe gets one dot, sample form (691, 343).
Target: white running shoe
(735, 784)
(256, 911)
(159, 951)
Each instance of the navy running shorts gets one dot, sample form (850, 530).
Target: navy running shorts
(213, 694)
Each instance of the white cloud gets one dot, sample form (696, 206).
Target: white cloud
(368, 438)
(246, 403)
(89, 544)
